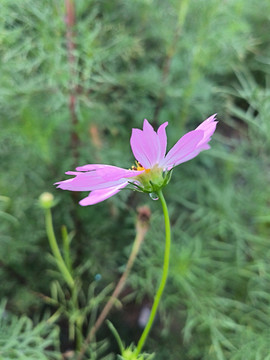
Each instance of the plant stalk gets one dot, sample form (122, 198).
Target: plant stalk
(164, 274)
(141, 230)
(55, 249)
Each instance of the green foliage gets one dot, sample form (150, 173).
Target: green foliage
(21, 339)
(178, 61)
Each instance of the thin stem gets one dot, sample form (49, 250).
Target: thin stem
(55, 249)
(116, 335)
(66, 249)
(141, 231)
(73, 92)
(164, 274)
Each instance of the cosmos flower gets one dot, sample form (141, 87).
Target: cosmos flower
(153, 167)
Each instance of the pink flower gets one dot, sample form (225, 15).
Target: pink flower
(153, 166)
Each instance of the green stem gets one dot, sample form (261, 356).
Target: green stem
(116, 335)
(55, 249)
(141, 231)
(164, 274)
(66, 249)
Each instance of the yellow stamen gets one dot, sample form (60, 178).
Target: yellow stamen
(139, 167)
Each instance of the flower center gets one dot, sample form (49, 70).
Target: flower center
(139, 167)
(150, 180)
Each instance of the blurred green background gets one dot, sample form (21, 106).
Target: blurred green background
(71, 90)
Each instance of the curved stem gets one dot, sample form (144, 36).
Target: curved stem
(142, 229)
(55, 249)
(164, 274)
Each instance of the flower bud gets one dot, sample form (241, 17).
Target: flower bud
(46, 200)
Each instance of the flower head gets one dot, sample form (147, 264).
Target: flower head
(46, 200)
(153, 166)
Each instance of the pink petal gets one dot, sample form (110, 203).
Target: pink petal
(208, 127)
(188, 157)
(184, 148)
(162, 140)
(101, 178)
(97, 196)
(90, 167)
(145, 145)
(212, 119)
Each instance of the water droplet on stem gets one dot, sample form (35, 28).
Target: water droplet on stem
(153, 196)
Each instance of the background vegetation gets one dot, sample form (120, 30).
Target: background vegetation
(70, 92)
